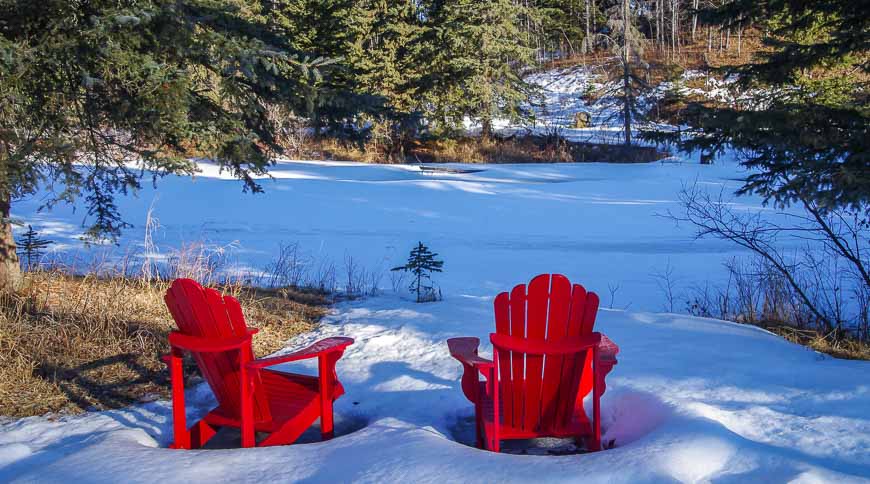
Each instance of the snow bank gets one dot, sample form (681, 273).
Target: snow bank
(690, 400)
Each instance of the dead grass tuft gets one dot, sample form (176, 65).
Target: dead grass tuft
(73, 343)
(836, 345)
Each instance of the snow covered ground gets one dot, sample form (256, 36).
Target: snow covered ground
(596, 223)
(690, 400)
(566, 91)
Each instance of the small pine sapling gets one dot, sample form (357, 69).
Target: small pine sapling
(421, 263)
(30, 247)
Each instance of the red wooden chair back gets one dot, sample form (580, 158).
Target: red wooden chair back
(539, 391)
(204, 313)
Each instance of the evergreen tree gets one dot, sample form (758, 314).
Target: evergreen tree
(477, 52)
(96, 94)
(386, 63)
(30, 247)
(563, 24)
(804, 133)
(627, 73)
(421, 263)
(320, 29)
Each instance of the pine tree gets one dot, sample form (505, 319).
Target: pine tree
(805, 132)
(477, 52)
(421, 263)
(30, 247)
(320, 29)
(627, 74)
(563, 26)
(385, 61)
(88, 87)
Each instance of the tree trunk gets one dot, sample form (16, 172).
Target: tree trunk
(709, 39)
(626, 79)
(626, 103)
(418, 287)
(588, 42)
(675, 27)
(658, 24)
(593, 15)
(10, 271)
(486, 128)
(660, 14)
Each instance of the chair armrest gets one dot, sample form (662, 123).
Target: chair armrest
(198, 344)
(560, 347)
(465, 350)
(324, 346)
(607, 350)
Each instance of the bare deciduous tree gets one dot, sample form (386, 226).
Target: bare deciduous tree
(819, 257)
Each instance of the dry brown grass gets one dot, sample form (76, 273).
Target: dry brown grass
(531, 149)
(513, 149)
(836, 345)
(71, 343)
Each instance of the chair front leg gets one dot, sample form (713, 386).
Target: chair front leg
(180, 434)
(247, 397)
(493, 384)
(595, 445)
(326, 371)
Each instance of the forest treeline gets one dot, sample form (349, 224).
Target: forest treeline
(393, 70)
(387, 70)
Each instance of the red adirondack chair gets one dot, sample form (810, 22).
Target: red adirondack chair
(251, 395)
(545, 355)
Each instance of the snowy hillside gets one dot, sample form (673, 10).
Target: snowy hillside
(690, 400)
(566, 91)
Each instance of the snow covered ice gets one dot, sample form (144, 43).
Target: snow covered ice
(691, 400)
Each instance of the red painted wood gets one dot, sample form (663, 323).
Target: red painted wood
(181, 437)
(590, 310)
(547, 339)
(557, 330)
(503, 326)
(536, 330)
(251, 396)
(518, 360)
(325, 389)
(493, 386)
(561, 347)
(572, 364)
(596, 406)
(190, 306)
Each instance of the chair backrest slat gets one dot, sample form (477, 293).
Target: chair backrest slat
(518, 361)
(204, 313)
(539, 392)
(537, 301)
(502, 325)
(557, 329)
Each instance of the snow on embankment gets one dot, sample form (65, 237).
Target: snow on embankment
(691, 399)
(570, 90)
